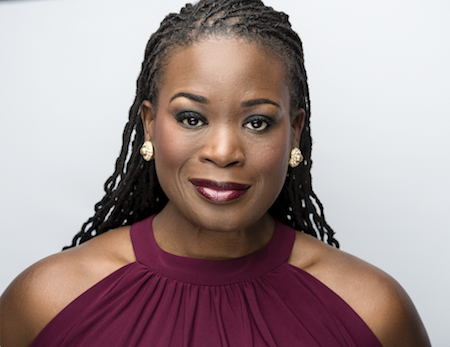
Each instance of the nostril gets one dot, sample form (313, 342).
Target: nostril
(222, 163)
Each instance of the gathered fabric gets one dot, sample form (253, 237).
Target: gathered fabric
(166, 300)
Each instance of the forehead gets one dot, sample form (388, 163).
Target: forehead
(224, 66)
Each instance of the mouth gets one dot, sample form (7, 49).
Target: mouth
(219, 191)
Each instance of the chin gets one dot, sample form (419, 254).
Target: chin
(226, 220)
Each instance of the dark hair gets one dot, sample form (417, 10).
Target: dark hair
(133, 191)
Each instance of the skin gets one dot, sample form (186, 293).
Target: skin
(222, 145)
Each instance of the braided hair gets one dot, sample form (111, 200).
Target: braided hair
(133, 192)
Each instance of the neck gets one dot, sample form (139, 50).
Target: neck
(182, 236)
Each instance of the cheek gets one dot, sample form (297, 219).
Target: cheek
(170, 151)
(272, 162)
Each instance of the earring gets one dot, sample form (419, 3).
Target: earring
(147, 150)
(296, 157)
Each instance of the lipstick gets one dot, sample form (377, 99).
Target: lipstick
(219, 191)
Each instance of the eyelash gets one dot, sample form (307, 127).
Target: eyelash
(185, 117)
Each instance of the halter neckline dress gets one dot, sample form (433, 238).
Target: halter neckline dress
(166, 300)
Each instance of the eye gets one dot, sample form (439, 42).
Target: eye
(258, 123)
(191, 120)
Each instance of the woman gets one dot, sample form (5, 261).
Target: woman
(194, 242)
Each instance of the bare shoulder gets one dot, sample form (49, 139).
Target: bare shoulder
(374, 295)
(39, 293)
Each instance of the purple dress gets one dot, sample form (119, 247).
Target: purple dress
(166, 300)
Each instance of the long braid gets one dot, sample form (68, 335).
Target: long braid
(133, 191)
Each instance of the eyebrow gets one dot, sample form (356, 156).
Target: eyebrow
(194, 97)
(254, 102)
(203, 100)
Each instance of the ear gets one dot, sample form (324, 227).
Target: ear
(148, 117)
(297, 123)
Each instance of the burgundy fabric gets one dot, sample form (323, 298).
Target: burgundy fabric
(167, 300)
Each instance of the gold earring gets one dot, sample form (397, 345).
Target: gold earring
(296, 157)
(147, 150)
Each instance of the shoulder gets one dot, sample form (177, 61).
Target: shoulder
(374, 295)
(38, 294)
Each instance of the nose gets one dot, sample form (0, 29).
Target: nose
(223, 147)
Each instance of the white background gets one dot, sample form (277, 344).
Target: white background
(379, 78)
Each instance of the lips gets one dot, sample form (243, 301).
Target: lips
(219, 191)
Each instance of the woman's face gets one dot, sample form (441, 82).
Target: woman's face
(222, 132)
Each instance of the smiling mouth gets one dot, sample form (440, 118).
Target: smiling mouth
(219, 191)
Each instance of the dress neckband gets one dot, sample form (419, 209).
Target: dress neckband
(206, 271)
